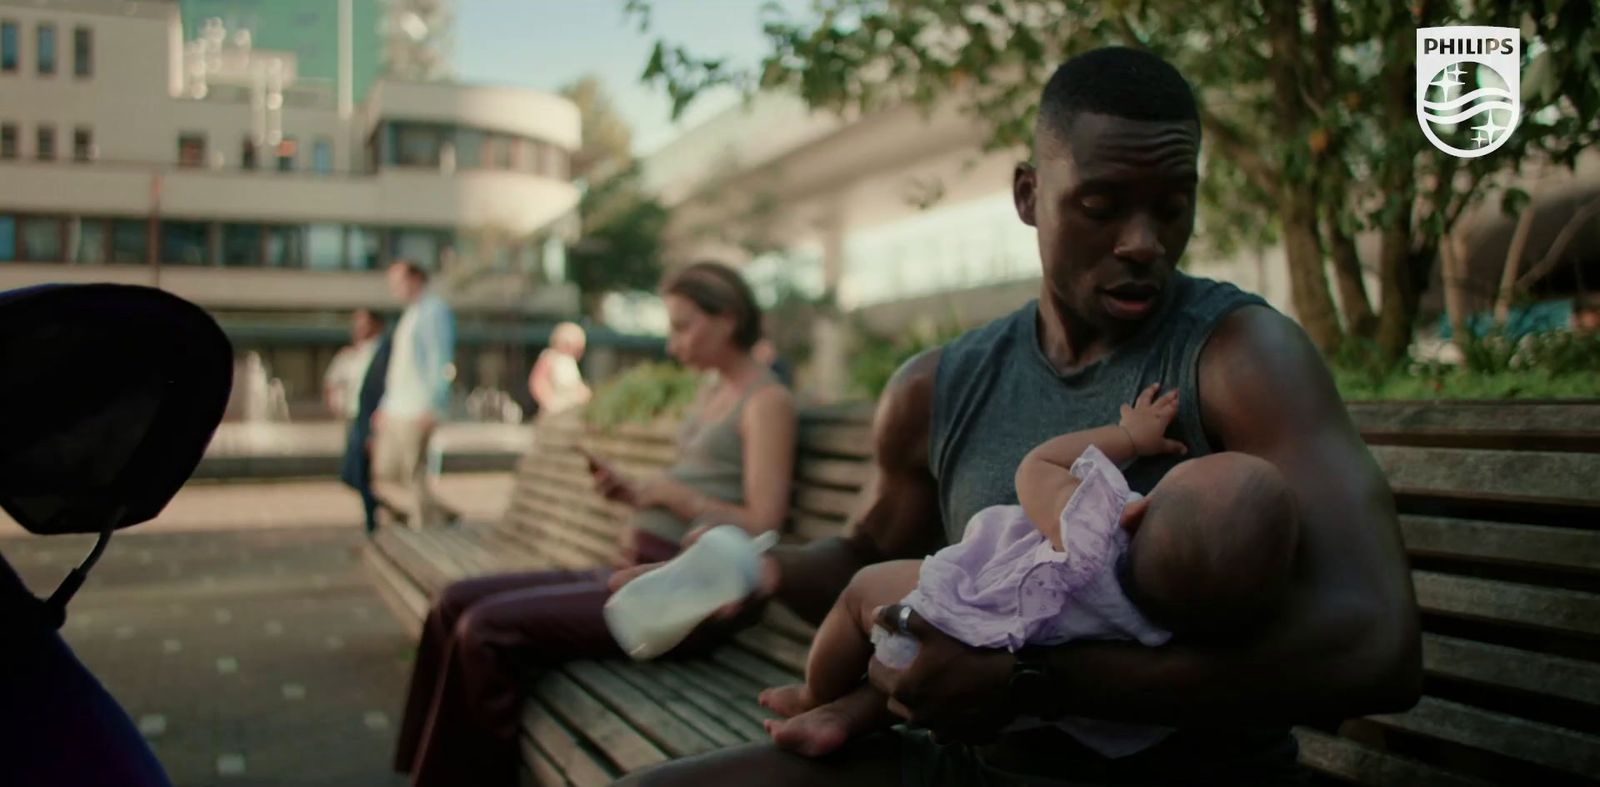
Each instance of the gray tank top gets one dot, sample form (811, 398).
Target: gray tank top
(710, 461)
(996, 396)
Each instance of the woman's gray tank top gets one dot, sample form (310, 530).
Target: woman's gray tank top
(710, 461)
(996, 396)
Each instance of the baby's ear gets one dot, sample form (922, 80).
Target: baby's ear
(1133, 514)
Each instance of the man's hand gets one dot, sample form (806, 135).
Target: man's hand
(1146, 422)
(958, 691)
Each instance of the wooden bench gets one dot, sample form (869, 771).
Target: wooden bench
(1498, 504)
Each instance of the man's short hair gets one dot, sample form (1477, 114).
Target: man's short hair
(413, 270)
(1114, 80)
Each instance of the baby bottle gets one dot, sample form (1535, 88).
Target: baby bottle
(653, 613)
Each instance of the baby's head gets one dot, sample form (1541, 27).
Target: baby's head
(1215, 544)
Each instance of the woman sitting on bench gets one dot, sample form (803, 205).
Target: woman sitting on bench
(735, 459)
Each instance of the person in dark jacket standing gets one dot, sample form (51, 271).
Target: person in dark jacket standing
(356, 471)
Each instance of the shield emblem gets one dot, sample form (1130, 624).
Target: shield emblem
(1469, 87)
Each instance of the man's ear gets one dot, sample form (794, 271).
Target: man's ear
(1024, 191)
(1133, 514)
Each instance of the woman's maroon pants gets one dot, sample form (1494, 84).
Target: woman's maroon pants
(481, 637)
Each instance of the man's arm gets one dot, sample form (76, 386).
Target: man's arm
(900, 516)
(1345, 642)
(443, 355)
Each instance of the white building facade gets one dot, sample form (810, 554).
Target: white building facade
(128, 154)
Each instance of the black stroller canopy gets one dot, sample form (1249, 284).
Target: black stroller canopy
(109, 395)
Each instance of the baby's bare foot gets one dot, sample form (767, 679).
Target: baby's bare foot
(825, 728)
(787, 701)
(815, 733)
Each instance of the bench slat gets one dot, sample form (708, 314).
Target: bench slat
(1554, 609)
(1504, 425)
(1545, 478)
(836, 439)
(620, 742)
(1498, 665)
(736, 692)
(1348, 760)
(774, 647)
(850, 474)
(1530, 741)
(810, 527)
(561, 747)
(538, 770)
(397, 590)
(664, 729)
(757, 670)
(669, 697)
(781, 618)
(819, 500)
(1496, 542)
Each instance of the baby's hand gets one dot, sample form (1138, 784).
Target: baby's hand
(1146, 422)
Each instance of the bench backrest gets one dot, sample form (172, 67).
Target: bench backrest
(1499, 510)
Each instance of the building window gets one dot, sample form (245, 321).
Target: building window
(130, 240)
(8, 140)
(45, 143)
(364, 248)
(424, 247)
(322, 156)
(191, 149)
(499, 152)
(82, 144)
(183, 242)
(8, 238)
(47, 49)
(10, 55)
(41, 239)
(418, 145)
(82, 52)
(241, 244)
(325, 247)
(469, 148)
(88, 241)
(285, 247)
(286, 153)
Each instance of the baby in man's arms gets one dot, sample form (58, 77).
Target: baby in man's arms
(1082, 558)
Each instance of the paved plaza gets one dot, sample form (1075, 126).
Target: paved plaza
(241, 634)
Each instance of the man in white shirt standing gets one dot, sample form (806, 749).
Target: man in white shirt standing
(416, 396)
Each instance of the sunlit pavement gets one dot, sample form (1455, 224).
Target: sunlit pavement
(252, 651)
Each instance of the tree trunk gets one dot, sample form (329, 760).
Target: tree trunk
(1359, 321)
(1508, 276)
(1308, 280)
(1398, 293)
(1453, 277)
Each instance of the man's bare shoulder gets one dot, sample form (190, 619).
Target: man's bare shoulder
(905, 412)
(1259, 371)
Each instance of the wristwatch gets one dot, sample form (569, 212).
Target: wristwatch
(1032, 690)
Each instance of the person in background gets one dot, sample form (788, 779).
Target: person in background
(1586, 315)
(556, 382)
(416, 396)
(735, 456)
(365, 394)
(341, 385)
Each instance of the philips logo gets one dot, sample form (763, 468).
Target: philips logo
(1468, 87)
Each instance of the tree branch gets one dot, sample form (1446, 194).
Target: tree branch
(1558, 247)
(1244, 153)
